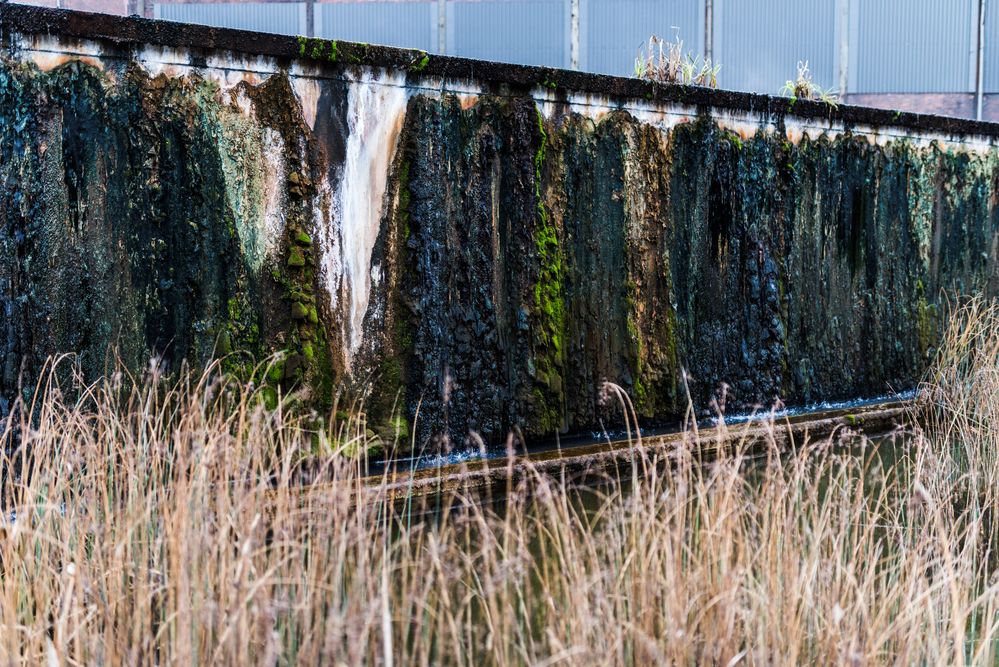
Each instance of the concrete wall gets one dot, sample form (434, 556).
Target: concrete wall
(485, 244)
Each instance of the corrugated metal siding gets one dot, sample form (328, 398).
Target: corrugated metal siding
(528, 32)
(991, 46)
(614, 30)
(905, 46)
(759, 44)
(280, 18)
(896, 46)
(406, 24)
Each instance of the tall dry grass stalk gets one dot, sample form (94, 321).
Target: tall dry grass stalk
(162, 521)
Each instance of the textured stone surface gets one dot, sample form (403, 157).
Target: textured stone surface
(474, 254)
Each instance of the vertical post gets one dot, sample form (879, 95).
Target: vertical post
(709, 30)
(844, 47)
(442, 26)
(574, 34)
(980, 62)
(310, 18)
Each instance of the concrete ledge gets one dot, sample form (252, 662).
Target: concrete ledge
(134, 32)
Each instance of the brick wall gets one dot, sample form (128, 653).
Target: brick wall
(961, 105)
(101, 6)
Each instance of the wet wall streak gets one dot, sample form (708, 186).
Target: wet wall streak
(470, 264)
(548, 256)
(475, 327)
(153, 217)
(115, 227)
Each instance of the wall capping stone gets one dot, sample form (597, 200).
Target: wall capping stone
(131, 32)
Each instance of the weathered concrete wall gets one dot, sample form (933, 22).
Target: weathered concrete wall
(483, 244)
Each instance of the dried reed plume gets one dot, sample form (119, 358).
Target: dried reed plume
(166, 521)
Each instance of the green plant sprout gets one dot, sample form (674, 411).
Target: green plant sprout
(804, 88)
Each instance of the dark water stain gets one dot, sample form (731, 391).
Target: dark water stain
(525, 260)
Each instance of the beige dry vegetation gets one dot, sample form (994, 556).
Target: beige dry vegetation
(663, 61)
(804, 88)
(157, 522)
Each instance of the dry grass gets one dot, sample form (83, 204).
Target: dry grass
(154, 524)
(804, 88)
(664, 61)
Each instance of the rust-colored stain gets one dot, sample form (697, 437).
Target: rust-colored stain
(47, 60)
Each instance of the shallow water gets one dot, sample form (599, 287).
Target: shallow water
(426, 461)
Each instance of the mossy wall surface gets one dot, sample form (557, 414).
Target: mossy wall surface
(523, 249)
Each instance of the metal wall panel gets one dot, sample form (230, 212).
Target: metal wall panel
(614, 30)
(282, 18)
(895, 46)
(406, 24)
(527, 32)
(991, 46)
(907, 46)
(759, 44)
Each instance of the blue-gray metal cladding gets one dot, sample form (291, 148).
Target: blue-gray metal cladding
(759, 44)
(991, 83)
(612, 31)
(895, 46)
(526, 32)
(406, 24)
(280, 18)
(905, 46)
